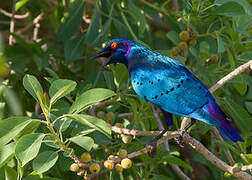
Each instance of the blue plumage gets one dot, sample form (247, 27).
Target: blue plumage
(167, 84)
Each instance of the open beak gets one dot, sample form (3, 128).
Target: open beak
(107, 54)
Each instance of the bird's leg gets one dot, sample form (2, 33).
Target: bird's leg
(152, 146)
(182, 131)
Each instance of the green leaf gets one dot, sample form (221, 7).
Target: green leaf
(241, 116)
(83, 141)
(90, 97)
(27, 147)
(93, 29)
(11, 127)
(249, 106)
(173, 36)
(240, 85)
(6, 153)
(220, 44)
(32, 85)
(60, 88)
(20, 4)
(229, 9)
(74, 48)
(91, 121)
(246, 6)
(10, 173)
(44, 161)
(175, 160)
(72, 22)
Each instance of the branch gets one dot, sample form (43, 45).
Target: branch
(15, 16)
(219, 84)
(12, 23)
(196, 145)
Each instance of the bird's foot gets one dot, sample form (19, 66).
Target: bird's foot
(152, 148)
(179, 140)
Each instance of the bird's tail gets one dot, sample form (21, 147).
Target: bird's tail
(225, 128)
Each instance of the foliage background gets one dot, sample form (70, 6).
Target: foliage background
(68, 33)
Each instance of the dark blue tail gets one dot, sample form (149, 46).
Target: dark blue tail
(227, 130)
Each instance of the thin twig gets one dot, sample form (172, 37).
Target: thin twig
(12, 23)
(16, 16)
(37, 25)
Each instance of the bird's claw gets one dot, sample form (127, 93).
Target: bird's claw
(151, 148)
(179, 140)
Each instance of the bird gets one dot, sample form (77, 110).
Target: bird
(168, 84)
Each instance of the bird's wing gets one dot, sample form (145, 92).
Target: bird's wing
(170, 86)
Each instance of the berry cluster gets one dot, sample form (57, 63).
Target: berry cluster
(122, 162)
(188, 38)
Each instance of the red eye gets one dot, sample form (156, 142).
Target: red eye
(113, 45)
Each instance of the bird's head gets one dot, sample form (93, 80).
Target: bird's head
(116, 50)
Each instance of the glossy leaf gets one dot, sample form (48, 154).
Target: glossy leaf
(27, 147)
(6, 153)
(60, 88)
(91, 121)
(229, 9)
(44, 161)
(83, 141)
(11, 127)
(32, 85)
(90, 97)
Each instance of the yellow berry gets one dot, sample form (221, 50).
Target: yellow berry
(214, 58)
(120, 125)
(108, 164)
(122, 153)
(94, 168)
(192, 42)
(126, 139)
(111, 157)
(110, 116)
(184, 35)
(85, 158)
(118, 168)
(174, 51)
(126, 163)
(182, 46)
(74, 167)
(100, 114)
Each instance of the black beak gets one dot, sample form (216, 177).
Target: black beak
(103, 54)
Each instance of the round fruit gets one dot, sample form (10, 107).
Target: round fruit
(184, 35)
(110, 116)
(74, 167)
(126, 139)
(214, 58)
(85, 158)
(100, 114)
(120, 125)
(111, 157)
(174, 51)
(94, 168)
(122, 153)
(118, 168)
(182, 46)
(126, 163)
(108, 164)
(192, 42)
